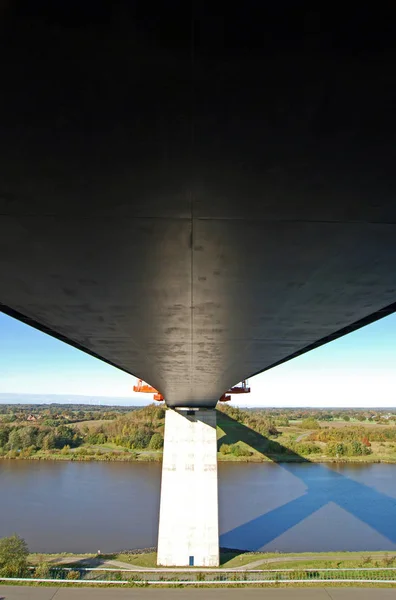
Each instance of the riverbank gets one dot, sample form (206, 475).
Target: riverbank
(138, 569)
(229, 559)
(254, 436)
(157, 457)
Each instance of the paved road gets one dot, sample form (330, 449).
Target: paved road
(53, 593)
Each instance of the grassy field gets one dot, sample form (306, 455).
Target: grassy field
(230, 431)
(235, 560)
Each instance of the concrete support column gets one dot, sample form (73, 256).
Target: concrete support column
(188, 524)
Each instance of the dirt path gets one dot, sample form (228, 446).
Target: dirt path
(303, 435)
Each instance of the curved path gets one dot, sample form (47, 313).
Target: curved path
(288, 559)
(112, 564)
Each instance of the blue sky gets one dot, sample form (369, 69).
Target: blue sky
(356, 370)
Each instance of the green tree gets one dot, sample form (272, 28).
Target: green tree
(14, 440)
(28, 436)
(13, 556)
(49, 441)
(357, 448)
(66, 436)
(156, 442)
(4, 433)
(160, 413)
(141, 438)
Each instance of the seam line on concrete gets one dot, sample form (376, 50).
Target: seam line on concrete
(56, 591)
(328, 593)
(126, 218)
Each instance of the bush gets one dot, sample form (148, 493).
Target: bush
(13, 556)
(358, 449)
(225, 449)
(336, 449)
(240, 450)
(42, 571)
(156, 442)
(388, 560)
(307, 448)
(73, 575)
(27, 452)
(81, 452)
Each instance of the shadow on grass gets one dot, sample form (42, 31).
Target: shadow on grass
(90, 562)
(237, 432)
(323, 484)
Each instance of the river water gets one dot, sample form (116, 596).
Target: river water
(85, 507)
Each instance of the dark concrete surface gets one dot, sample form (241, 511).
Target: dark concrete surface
(31, 593)
(198, 196)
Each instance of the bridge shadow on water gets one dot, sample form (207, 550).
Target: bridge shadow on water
(323, 485)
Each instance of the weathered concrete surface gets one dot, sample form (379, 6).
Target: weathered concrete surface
(189, 514)
(307, 593)
(196, 199)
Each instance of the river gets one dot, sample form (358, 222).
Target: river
(88, 506)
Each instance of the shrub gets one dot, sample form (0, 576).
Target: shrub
(225, 449)
(13, 556)
(81, 452)
(358, 449)
(240, 450)
(156, 442)
(306, 449)
(42, 571)
(336, 449)
(73, 575)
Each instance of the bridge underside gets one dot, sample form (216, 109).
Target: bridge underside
(192, 200)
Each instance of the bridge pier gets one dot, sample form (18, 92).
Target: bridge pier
(188, 524)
